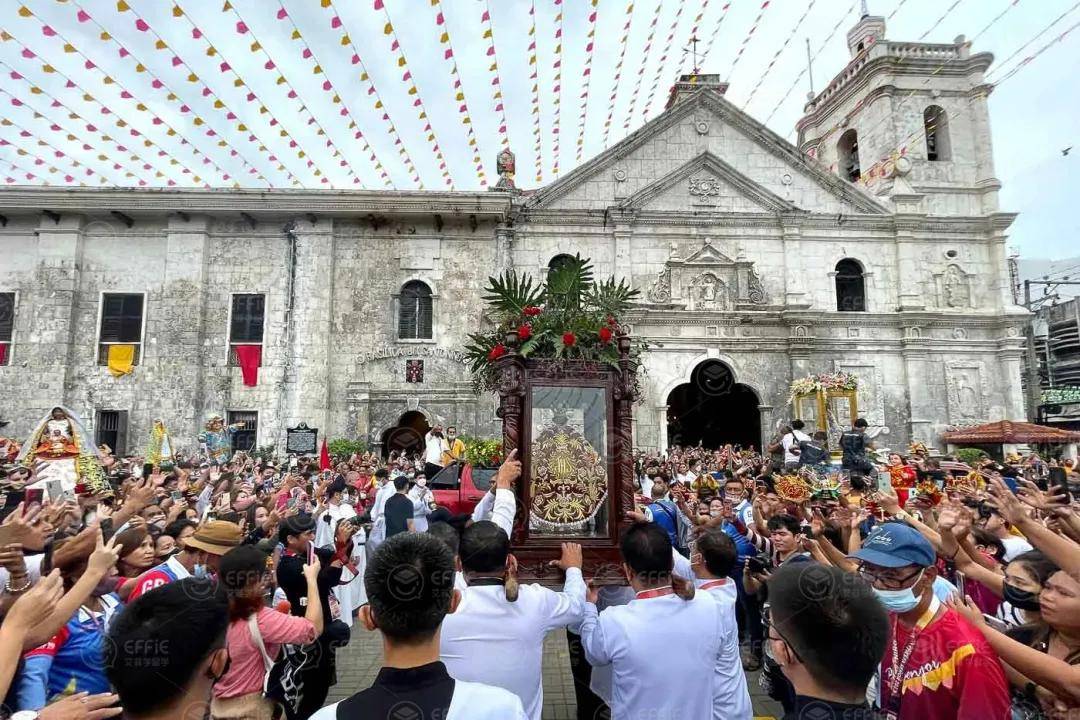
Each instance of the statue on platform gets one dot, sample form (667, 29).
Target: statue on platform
(505, 167)
(160, 451)
(60, 449)
(216, 440)
(569, 479)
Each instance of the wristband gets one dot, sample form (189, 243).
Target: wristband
(16, 591)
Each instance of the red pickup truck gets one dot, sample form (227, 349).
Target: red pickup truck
(460, 487)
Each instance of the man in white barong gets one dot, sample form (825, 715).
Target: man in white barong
(497, 632)
(666, 627)
(333, 509)
(378, 518)
(713, 561)
(423, 501)
(410, 590)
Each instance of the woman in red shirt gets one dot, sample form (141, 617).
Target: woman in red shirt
(245, 575)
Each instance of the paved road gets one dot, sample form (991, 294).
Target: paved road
(360, 661)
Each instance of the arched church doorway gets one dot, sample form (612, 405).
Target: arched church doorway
(408, 435)
(713, 410)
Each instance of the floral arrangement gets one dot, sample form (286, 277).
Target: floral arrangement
(483, 452)
(928, 493)
(823, 382)
(571, 316)
(825, 486)
(793, 488)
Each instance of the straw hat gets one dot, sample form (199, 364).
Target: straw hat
(216, 537)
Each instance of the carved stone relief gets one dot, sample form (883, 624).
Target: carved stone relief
(871, 398)
(707, 280)
(707, 292)
(967, 391)
(704, 187)
(660, 290)
(953, 288)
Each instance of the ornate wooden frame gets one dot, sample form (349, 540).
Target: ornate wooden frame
(517, 376)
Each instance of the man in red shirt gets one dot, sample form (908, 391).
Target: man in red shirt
(936, 664)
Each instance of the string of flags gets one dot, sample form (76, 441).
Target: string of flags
(534, 78)
(661, 64)
(618, 71)
(641, 68)
(693, 34)
(556, 90)
(715, 31)
(746, 38)
(779, 52)
(459, 92)
(413, 91)
(587, 73)
(496, 82)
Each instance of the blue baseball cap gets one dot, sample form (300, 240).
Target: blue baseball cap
(895, 545)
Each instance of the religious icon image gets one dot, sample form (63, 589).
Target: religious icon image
(568, 471)
(217, 439)
(414, 371)
(60, 449)
(160, 450)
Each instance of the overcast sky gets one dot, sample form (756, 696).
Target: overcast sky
(1033, 114)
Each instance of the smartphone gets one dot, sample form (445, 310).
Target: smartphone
(33, 496)
(960, 583)
(995, 623)
(1059, 481)
(884, 481)
(56, 490)
(807, 531)
(176, 495)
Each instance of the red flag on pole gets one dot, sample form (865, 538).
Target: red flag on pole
(324, 456)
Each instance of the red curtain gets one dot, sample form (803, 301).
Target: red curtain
(3, 353)
(249, 357)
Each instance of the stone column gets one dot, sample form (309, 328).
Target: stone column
(308, 349)
(910, 270)
(504, 247)
(53, 303)
(922, 412)
(624, 266)
(176, 337)
(794, 292)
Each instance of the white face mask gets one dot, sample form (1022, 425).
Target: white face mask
(422, 482)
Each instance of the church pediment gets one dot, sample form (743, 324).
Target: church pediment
(705, 154)
(707, 280)
(707, 183)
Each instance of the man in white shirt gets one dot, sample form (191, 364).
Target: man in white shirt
(496, 634)
(337, 508)
(423, 501)
(664, 646)
(434, 447)
(410, 591)
(791, 441)
(713, 561)
(378, 517)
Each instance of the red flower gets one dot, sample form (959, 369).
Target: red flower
(532, 311)
(525, 331)
(605, 335)
(569, 338)
(611, 320)
(496, 352)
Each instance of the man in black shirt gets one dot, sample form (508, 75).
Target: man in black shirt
(399, 509)
(812, 606)
(297, 534)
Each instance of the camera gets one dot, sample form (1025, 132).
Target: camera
(759, 563)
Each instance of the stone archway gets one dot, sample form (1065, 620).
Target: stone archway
(713, 410)
(407, 435)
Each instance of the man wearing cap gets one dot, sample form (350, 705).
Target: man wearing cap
(936, 664)
(197, 558)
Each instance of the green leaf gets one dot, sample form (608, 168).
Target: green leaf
(568, 283)
(511, 293)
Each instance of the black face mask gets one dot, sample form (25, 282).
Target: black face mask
(1021, 599)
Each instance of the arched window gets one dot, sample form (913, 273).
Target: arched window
(850, 286)
(847, 154)
(559, 260)
(414, 311)
(936, 127)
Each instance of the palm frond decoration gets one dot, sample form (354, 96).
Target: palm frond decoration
(511, 293)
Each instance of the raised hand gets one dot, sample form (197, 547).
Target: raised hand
(37, 603)
(104, 556)
(508, 472)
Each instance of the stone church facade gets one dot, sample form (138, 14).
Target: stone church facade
(874, 246)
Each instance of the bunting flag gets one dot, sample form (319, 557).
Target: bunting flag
(126, 94)
(746, 38)
(693, 33)
(373, 92)
(556, 90)
(587, 74)
(715, 32)
(822, 46)
(661, 64)
(459, 91)
(779, 51)
(335, 99)
(496, 82)
(55, 128)
(92, 128)
(948, 11)
(40, 163)
(413, 91)
(120, 124)
(309, 117)
(641, 68)
(534, 78)
(618, 71)
(190, 76)
(77, 171)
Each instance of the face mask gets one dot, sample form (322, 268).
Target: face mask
(1021, 599)
(716, 513)
(422, 482)
(899, 601)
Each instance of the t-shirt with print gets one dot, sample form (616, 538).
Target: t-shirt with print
(951, 672)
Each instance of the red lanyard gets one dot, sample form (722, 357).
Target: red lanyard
(655, 592)
(900, 661)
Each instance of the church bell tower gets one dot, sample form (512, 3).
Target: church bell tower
(908, 121)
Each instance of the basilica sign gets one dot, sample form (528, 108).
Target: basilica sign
(418, 351)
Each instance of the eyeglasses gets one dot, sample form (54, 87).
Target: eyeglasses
(886, 582)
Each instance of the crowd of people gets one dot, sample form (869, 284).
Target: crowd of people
(222, 585)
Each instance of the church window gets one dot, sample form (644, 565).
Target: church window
(850, 286)
(7, 325)
(111, 428)
(246, 437)
(936, 129)
(414, 311)
(121, 324)
(247, 317)
(559, 261)
(847, 153)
